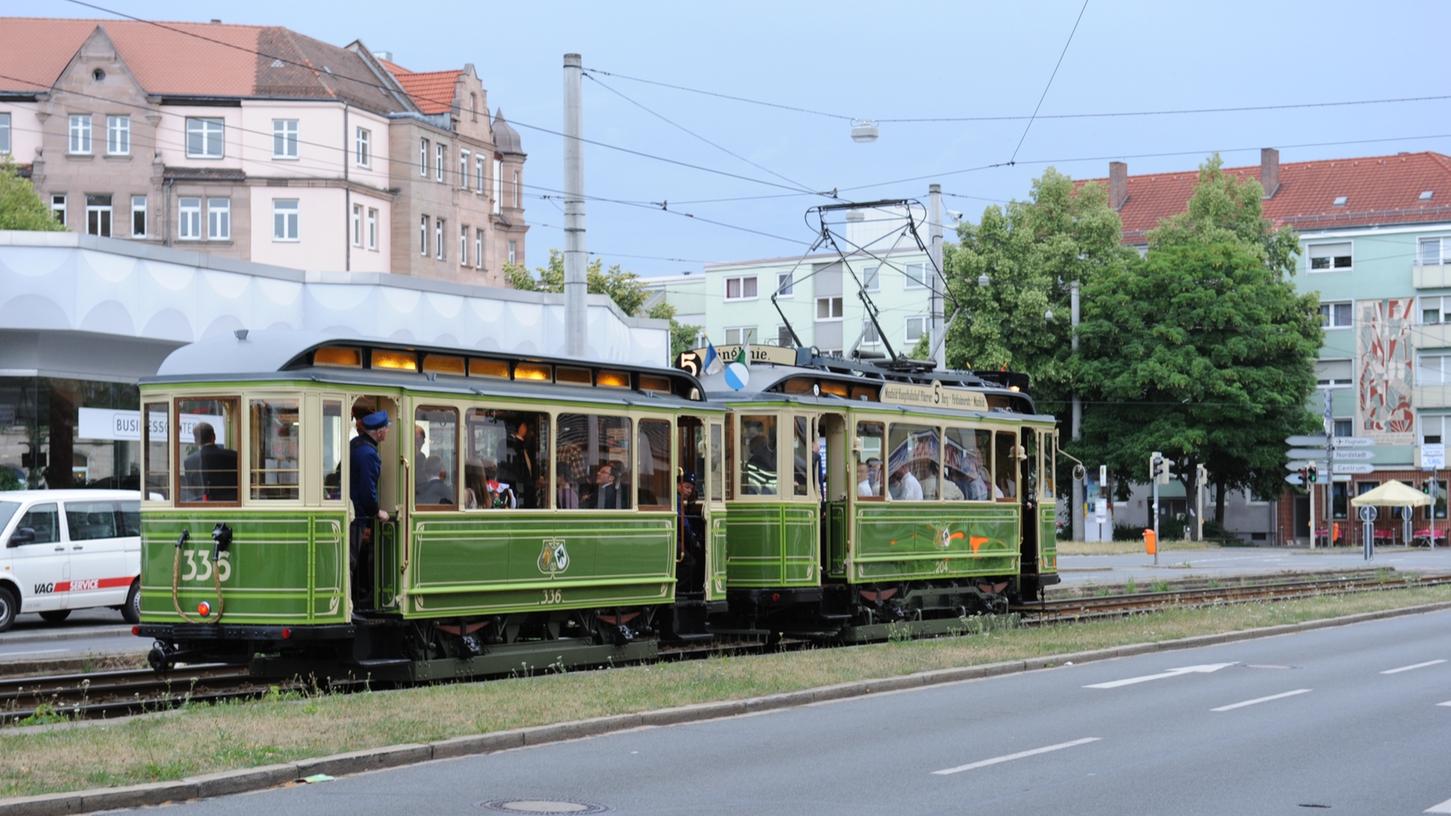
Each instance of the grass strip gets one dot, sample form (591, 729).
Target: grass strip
(1129, 547)
(286, 727)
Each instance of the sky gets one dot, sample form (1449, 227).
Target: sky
(884, 60)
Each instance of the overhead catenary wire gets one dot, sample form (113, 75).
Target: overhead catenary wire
(1051, 77)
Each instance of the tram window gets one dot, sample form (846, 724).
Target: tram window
(592, 458)
(507, 460)
(717, 463)
(158, 461)
(333, 445)
(759, 466)
(207, 435)
(966, 459)
(911, 456)
(435, 457)
(1050, 465)
(653, 483)
(1031, 479)
(869, 481)
(272, 461)
(730, 456)
(1006, 486)
(801, 458)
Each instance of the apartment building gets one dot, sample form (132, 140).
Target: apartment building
(256, 143)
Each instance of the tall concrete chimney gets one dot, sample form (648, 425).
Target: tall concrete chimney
(1269, 170)
(1118, 184)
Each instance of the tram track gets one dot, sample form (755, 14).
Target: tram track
(40, 699)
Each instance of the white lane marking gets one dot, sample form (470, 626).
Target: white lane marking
(1444, 807)
(1258, 700)
(1413, 667)
(1447, 704)
(31, 652)
(1204, 669)
(1019, 755)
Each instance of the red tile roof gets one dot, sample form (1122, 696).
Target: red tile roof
(1378, 190)
(192, 59)
(431, 91)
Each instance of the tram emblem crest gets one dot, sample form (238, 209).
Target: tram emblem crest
(553, 558)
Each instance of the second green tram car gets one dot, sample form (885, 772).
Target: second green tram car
(545, 511)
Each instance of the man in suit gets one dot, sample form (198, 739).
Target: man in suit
(211, 470)
(521, 468)
(605, 496)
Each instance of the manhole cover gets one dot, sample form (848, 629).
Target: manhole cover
(542, 807)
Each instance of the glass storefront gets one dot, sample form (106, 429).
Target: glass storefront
(59, 433)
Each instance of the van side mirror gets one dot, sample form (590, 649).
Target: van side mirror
(23, 535)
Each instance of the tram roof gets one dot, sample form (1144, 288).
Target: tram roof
(319, 357)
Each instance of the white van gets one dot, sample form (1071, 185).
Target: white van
(69, 549)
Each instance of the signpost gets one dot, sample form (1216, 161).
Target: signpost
(1347, 454)
(1352, 467)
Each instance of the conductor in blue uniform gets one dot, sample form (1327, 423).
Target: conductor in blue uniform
(365, 465)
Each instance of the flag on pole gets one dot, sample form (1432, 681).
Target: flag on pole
(738, 372)
(712, 359)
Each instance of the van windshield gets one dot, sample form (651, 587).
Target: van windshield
(7, 509)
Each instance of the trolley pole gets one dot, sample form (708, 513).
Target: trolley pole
(934, 249)
(574, 245)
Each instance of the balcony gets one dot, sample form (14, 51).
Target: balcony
(1432, 275)
(1431, 335)
(1432, 396)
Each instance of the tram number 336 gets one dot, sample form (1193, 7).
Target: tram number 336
(199, 566)
(551, 596)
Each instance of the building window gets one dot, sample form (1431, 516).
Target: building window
(284, 138)
(498, 187)
(1332, 373)
(285, 226)
(1429, 251)
(740, 288)
(98, 215)
(1343, 427)
(463, 245)
(479, 248)
(57, 208)
(423, 158)
(513, 252)
(118, 135)
(138, 216)
(479, 175)
(917, 327)
(870, 336)
(219, 219)
(439, 151)
(785, 287)
(463, 169)
(518, 205)
(5, 133)
(783, 336)
(357, 224)
(828, 308)
(872, 278)
(740, 335)
(423, 236)
(373, 228)
(1433, 369)
(189, 219)
(1330, 257)
(438, 239)
(1335, 315)
(1436, 309)
(363, 147)
(80, 141)
(916, 275)
(204, 137)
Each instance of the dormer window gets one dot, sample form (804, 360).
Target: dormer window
(1341, 201)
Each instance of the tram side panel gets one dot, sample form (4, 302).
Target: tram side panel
(912, 541)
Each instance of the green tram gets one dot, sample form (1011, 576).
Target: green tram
(860, 496)
(532, 506)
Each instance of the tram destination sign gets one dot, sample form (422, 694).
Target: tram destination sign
(935, 395)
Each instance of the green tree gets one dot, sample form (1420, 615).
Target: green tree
(624, 288)
(1203, 350)
(20, 206)
(1029, 253)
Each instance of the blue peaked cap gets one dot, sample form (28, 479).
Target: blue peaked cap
(376, 420)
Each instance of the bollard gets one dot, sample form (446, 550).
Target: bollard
(1151, 543)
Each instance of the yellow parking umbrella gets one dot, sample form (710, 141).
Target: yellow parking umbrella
(1392, 494)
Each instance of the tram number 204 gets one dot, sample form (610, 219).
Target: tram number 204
(551, 597)
(199, 566)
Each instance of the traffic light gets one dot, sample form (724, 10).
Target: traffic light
(1304, 476)
(1314, 473)
(1158, 468)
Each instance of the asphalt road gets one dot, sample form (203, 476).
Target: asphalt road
(1354, 719)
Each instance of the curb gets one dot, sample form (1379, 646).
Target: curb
(250, 779)
(120, 630)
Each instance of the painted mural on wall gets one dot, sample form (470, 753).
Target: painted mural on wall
(1383, 383)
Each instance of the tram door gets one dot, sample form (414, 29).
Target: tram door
(693, 539)
(1028, 465)
(376, 547)
(834, 479)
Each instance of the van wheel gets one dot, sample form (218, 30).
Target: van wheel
(131, 612)
(55, 615)
(9, 605)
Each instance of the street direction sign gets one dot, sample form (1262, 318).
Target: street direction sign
(1344, 454)
(1296, 464)
(1308, 439)
(1305, 453)
(1353, 467)
(1353, 442)
(1294, 479)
